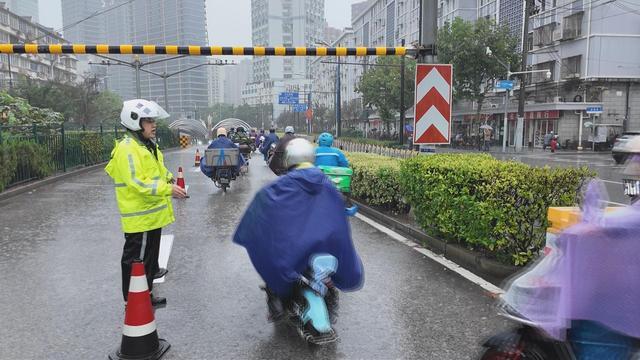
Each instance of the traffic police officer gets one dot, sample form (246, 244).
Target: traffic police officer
(143, 188)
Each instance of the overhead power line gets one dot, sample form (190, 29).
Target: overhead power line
(76, 23)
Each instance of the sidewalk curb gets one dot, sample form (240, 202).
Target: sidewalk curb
(488, 269)
(12, 192)
(47, 181)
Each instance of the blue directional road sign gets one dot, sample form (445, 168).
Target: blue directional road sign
(594, 110)
(288, 98)
(299, 107)
(504, 84)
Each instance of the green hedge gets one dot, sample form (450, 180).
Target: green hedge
(495, 206)
(8, 164)
(23, 160)
(376, 181)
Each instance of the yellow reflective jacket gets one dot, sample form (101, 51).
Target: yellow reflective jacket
(142, 186)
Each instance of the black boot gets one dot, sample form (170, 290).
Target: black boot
(161, 272)
(157, 301)
(275, 306)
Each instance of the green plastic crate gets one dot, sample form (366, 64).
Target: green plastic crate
(340, 176)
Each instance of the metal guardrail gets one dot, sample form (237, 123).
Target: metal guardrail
(60, 148)
(375, 149)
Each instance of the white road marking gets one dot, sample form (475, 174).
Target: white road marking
(611, 182)
(494, 290)
(616, 203)
(166, 244)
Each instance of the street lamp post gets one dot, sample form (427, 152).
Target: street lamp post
(402, 110)
(507, 95)
(138, 67)
(136, 64)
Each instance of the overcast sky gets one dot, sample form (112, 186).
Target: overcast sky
(229, 21)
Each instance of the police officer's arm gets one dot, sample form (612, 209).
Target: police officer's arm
(135, 177)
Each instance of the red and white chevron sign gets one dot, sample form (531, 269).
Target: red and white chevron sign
(432, 120)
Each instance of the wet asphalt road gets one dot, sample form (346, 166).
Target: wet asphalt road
(602, 163)
(60, 298)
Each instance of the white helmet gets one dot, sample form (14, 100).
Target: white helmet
(298, 151)
(289, 130)
(136, 109)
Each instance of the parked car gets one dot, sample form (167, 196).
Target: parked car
(621, 150)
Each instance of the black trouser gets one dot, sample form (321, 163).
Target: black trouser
(133, 250)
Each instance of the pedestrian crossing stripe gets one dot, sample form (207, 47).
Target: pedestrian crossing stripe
(199, 50)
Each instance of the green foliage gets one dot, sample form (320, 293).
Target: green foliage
(105, 108)
(33, 159)
(376, 181)
(380, 87)
(23, 160)
(8, 164)
(77, 103)
(254, 115)
(463, 44)
(494, 206)
(92, 147)
(18, 112)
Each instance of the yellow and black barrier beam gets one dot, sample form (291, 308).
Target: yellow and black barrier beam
(199, 50)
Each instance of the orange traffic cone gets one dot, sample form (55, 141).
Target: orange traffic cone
(180, 181)
(197, 157)
(139, 333)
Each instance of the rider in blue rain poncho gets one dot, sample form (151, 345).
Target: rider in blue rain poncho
(327, 155)
(294, 217)
(222, 142)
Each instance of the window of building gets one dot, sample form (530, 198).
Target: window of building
(543, 35)
(571, 67)
(542, 76)
(572, 26)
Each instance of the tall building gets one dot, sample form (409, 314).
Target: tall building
(24, 8)
(85, 30)
(215, 84)
(374, 23)
(330, 33)
(448, 10)
(91, 29)
(17, 29)
(511, 13)
(235, 78)
(283, 23)
(160, 22)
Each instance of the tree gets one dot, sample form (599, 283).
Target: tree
(105, 108)
(351, 112)
(15, 111)
(78, 103)
(380, 87)
(464, 44)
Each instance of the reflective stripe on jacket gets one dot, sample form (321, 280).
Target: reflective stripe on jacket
(143, 191)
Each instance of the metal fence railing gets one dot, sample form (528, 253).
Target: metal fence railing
(374, 149)
(31, 152)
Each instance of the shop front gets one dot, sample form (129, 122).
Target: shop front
(536, 125)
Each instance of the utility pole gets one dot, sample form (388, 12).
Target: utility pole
(136, 64)
(428, 30)
(10, 74)
(166, 91)
(525, 49)
(402, 110)
(338, 101)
